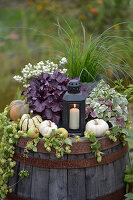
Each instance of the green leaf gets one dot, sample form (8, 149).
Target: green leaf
(127, 187)
(127, 131)
(130, 26)
(34, 149)
(116, 130)
(131, 3)
(53, 132)
(56, 142)
(68, 141)
(95, 146)
(118, 109)
(62, 152)
(131, 154)
(36, 140)
(128, 178)
(129, 196)
(92, 138)
(3, 195)
(23, 173)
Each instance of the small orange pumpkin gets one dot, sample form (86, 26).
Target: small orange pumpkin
(17, 109)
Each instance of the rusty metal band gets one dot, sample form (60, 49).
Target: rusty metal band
(12, 196)
(77, 148)
(70, 163)
(117, 195)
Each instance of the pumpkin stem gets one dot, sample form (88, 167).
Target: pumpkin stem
(25, 100)
(49, 123)
(96, 123)
(31, 113)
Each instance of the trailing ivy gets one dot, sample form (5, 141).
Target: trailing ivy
(95, 146)
(9, 135)
(54, 140)
(112, 135)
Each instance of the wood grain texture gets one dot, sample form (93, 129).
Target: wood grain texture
(23, 188)
(58, 182)
(71, 184)
(40, 180)
(82, 147)
(91, 180)
(108, 174)
(76, 181)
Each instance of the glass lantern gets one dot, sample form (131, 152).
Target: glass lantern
(74, 109)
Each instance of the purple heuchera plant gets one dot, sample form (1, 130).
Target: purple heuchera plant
(45, 95)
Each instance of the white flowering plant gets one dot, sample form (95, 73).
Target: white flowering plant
(104, 102)
(34, 71)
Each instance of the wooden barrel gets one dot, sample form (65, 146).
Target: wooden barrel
(77, 176)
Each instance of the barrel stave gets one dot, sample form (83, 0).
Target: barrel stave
(76, 181)
(40, 180)
(71, 183)
(23, 188)
(58, 182)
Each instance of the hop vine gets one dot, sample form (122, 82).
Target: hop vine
(9, 136)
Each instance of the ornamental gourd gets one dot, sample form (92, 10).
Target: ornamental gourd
(27, 122)
(33, 133)
(17, 109)
(46, 127)
(98, 126)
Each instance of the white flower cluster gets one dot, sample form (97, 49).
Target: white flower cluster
(18, 78)
(63, 61)
(34, 71)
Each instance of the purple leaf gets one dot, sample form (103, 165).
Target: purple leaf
(102, 101)
(109, 108)
(45, 95)
(120, 121)
(56, 107)
(109, 102)
(88, 110)
(56, 118)
(39, 107)
(45, 76)
(48, 113)
(93, 114)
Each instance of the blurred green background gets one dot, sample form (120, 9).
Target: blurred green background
(28, 32)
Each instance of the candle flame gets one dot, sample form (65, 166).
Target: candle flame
(74, 105)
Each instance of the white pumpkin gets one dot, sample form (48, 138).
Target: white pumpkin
(98, 126)
(46, 127)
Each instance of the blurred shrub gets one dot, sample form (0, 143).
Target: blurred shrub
(97, 15)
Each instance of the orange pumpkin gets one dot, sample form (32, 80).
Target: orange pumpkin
(17, 109)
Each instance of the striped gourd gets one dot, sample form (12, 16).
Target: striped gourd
(28, 122)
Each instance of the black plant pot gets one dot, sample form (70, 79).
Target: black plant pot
(110, 125)
(91, 85)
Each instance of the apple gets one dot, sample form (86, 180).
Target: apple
(33, 133)
(63, 132)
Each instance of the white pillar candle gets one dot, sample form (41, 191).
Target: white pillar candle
(74, 118)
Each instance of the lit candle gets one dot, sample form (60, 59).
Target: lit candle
(74, 118)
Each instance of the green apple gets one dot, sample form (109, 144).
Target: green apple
(33, 133)
(63, 132)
